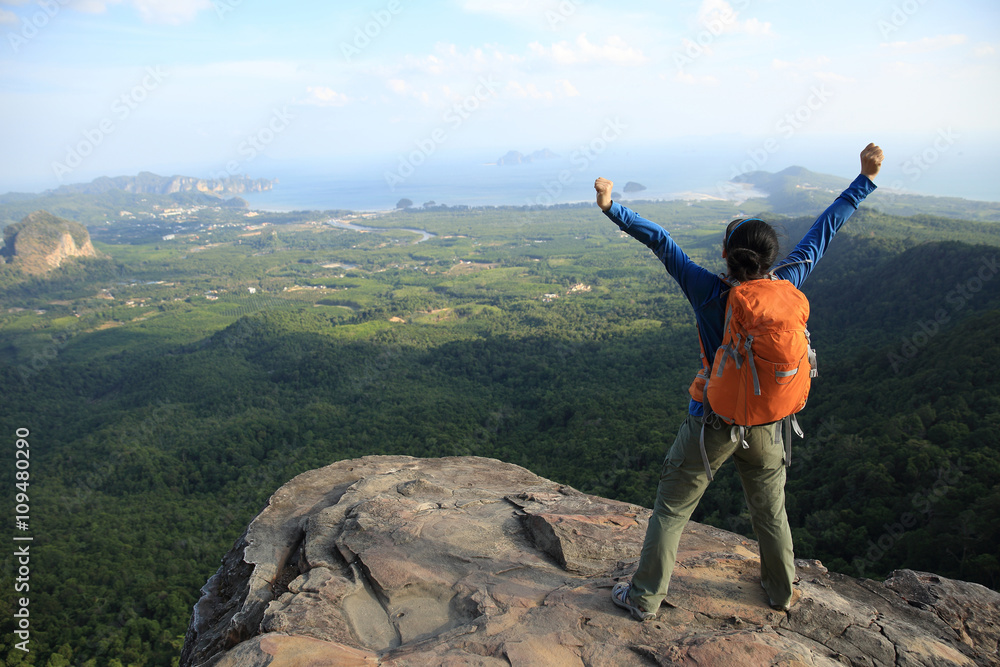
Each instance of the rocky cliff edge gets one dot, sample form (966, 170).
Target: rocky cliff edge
(391, 560)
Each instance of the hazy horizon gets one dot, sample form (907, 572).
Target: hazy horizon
(114, 87)
(695, 164)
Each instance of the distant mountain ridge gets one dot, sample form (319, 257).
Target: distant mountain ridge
(105, 198)
(149, 183)
(799, 191)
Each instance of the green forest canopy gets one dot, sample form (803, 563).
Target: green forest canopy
(171, 388)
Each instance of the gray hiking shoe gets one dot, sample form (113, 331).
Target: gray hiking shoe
(619, 595)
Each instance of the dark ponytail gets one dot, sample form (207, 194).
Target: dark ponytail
(751, 247)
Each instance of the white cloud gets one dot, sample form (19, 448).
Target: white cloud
(569, 90)
(170, 11)
(614, 51)
(719, 17)
(528, 91)
(984, 51)
(404, 89)
(397, 86)
(548, 15)
(325, 97)
(927, 44)
(755, 27)
(448, 59)
(92, 6)
(7, 18)
(173, 12)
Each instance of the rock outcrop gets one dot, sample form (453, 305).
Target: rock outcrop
(42, 242)
(391, 560)
(149, 183)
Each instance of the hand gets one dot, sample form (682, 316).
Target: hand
(603, 187)
(871, 160)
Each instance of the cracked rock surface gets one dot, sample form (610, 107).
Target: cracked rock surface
(392, 560)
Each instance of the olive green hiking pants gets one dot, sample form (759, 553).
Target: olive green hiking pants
(683, 481)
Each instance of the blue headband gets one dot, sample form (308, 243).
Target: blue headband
(733, 230)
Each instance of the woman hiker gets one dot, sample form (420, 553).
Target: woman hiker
(750, 248)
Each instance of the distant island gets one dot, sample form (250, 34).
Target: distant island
(632, 186)
(144, 196)
(516, 157)
(150, 183)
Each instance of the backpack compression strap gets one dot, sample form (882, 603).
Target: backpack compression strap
(791, 423)
(739, 434)
(736, 434)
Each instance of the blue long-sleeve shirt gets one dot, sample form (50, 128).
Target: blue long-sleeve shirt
(705, 290)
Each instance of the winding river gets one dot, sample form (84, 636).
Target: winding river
(424, 234)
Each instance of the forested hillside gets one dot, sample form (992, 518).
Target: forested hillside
(170, 389)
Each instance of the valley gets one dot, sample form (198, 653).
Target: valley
(170, 385)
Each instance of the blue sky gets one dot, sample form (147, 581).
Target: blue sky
(204, 87)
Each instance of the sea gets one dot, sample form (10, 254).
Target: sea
(687, 170)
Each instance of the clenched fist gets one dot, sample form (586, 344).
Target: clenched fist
(603, 187)
(871, 160)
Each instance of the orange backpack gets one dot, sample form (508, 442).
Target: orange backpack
(762, 371)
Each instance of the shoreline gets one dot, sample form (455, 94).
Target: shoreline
(685, 196)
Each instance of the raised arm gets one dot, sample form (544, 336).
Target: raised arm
(694, 281)
(802, 260)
